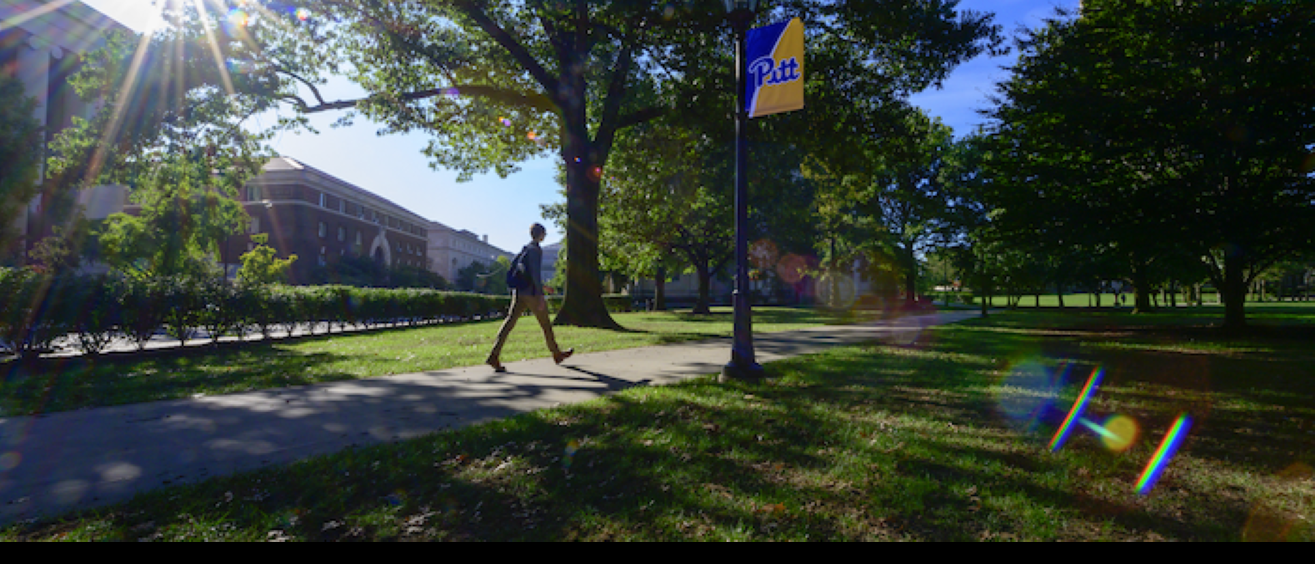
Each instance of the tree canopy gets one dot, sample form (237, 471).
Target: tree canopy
(497, 82)
(1156, 129)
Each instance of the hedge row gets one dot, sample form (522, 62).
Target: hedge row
(93, 312)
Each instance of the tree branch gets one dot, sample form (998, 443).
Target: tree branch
(316, 91)
(517, 51)
(538, 102)
(640, 116)
(608, 125)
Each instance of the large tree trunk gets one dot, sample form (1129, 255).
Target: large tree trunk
(1233, 291)
(660, 290)
(910, 277)
(1141, 288)
(703, 306)
(583, 302)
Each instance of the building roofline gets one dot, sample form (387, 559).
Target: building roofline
(42, 19)
(304, 172)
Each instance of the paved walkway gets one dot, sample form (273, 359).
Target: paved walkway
(54, 463)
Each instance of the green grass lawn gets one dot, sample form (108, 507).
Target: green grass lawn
(74, 383)
(942, 439)
(1212, 306)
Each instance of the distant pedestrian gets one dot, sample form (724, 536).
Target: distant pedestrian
(526, 284)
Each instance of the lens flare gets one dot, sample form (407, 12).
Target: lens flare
(1075, 414)
(792, 268)
(1168, 447)
(238, 17)
(1027, 391)
(303, 14)
(837, 290)
(763, 254)
(568, 454)
(1120, 433)
(10, 461)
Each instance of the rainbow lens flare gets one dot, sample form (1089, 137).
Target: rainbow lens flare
(238, 18)
(1075, 414)
(1168, 447)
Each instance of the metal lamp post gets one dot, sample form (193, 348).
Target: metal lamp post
(742, 366)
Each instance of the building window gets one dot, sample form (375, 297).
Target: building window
(342, 234)
(324, 200)
(323, 229)
(254, 226)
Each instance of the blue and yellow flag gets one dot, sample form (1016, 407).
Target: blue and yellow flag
(775, 74)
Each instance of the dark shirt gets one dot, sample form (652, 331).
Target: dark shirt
(534, 267)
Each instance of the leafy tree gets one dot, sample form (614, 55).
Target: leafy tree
(172, 124)
(20, 158)
(908, 195)
(972, 244)
(652, 171)
(417, 277)
(484, 278)
(1158, 128)
(663, 202)
(261, 264)
(184, 219)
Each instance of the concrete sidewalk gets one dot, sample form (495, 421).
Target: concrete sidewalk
(50, 464)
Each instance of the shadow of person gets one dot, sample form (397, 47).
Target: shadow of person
(613, 383)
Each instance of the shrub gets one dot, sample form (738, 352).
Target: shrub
(38, 309)
(222, 308)
(141, 308)
(184, 305)
(97, 326)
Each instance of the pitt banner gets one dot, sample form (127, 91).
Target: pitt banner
(775, 73)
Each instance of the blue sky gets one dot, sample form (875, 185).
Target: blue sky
(394, 167)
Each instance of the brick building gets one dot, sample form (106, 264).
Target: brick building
(321, 218)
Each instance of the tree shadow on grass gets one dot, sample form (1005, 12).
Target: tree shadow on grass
(926, 451)
(64, 384)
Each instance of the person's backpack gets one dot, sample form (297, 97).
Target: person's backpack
(517, 277)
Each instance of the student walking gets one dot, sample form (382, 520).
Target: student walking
(526, 284)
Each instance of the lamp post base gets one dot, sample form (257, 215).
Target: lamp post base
(740, 370)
